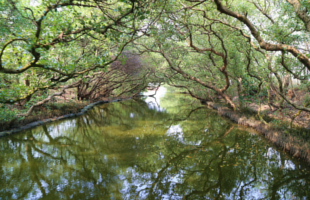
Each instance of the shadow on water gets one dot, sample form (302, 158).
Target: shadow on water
(136, 150)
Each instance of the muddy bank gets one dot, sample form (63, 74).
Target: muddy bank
(45, 121)
(296, 146)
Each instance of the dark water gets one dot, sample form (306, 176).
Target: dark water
(136, 150)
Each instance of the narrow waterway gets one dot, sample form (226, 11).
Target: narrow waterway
(168, 147)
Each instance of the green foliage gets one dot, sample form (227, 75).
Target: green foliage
(185, 44)
(7, 114)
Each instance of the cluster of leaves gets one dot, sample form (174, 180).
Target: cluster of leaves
(7, 114)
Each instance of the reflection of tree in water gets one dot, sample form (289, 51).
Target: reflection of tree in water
(226, 164)
(126, 150)
(48, 163)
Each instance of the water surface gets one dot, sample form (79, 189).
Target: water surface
(165, 148)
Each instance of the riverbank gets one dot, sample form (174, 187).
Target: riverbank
(49, 110)
(53, 114)
(294, 141)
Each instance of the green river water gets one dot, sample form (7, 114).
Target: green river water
(171, 148)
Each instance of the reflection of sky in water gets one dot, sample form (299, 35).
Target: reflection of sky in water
(57, 130)
(177, 132)
(154, 102)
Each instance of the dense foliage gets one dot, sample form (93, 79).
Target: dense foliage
(245, 50)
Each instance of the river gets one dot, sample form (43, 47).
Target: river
(168, 147)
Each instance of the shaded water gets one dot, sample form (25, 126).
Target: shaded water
(137, 150)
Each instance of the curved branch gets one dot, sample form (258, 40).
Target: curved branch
(301, 13)
(197, 80)
(289, 70)
(49, 98)
(58, 39)
(263, 44)
(6, 45)
(263, 12)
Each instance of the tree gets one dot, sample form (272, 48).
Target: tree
(210, 44)
(212, 49)
(57, 41)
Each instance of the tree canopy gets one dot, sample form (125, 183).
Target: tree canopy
(212, 49)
